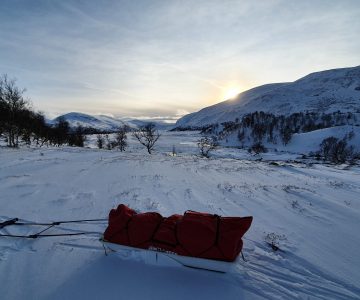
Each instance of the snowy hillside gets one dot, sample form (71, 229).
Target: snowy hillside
(311, 212)
(310, 141)
(303, 143)
(322, 92)
(105, 123)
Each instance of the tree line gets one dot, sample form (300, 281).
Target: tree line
(259, 126)
(19, 123)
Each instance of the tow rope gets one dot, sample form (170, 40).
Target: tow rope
(15, 221)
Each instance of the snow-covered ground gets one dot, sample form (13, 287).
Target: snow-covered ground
(312, 212)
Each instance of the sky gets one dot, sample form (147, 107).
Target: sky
(164, 59)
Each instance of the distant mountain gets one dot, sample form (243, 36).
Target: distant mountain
(323, 92)
(100, 122)
(105, 123)
(160, 125)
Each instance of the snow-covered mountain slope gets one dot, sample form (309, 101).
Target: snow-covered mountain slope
(105, 123)
(325, 91)
(100, 122)
(311, 212)
(160, 125)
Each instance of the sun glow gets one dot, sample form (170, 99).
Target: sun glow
(231, 93)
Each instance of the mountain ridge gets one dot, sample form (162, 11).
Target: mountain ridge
(105, 123)
(323, 91)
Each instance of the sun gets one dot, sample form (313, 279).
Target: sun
(231, 93)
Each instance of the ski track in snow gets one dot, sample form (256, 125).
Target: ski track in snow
(312, 212)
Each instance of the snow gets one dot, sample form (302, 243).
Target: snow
(324, 92)
(311, 210)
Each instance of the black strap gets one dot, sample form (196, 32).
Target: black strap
(242, 255)
(34, 236)
(9, 222)
(80, 221)
(49, 225)
(15, 222)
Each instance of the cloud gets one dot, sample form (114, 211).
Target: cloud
(181, 112)
(161, 57)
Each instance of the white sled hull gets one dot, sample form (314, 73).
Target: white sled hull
(153, 257)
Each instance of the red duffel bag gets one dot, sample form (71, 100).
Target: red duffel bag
(196, 232)
(142, 227)
(193, 234)
(231, 231)
(119, 218)
(165, 236)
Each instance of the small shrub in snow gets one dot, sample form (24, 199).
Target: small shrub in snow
(295, 204)
(274, 240)
(206, 144)
(335, 150)
(258, 148)
(108, 143)
(226, 187)
(100, 141)
(173, 150)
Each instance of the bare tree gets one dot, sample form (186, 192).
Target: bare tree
(100, 141)
(206, 144)
(286, 134)
(13, 107)
(61, 131)
(241, 137)
(108, 143)
(147, 136)
(77, 137)
(121, 138)
(327, 146)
